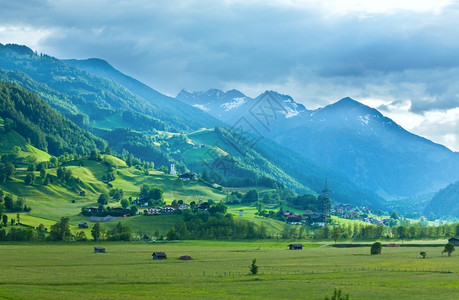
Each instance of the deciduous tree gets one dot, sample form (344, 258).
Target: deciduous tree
(61, 230)
(96, 231)
(449, 248)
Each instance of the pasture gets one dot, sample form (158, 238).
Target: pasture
(220, 270)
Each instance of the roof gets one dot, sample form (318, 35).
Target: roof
(99, 248)
(454, 239)
(296, 245)
(159, 254)
(188, 175)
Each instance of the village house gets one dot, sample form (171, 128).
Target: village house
(154, 211)
(315, 218)
(168, 209)
(292, 218)
(373, 221)
(353, 214)
(183, 206)
(341, 209)
(188, 176)
(140, 201)
(202, 206)
(454, 241)
(91, 209)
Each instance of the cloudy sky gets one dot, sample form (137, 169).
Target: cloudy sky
(401, 57)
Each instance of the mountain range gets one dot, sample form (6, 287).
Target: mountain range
(372, 150)
(365, 156)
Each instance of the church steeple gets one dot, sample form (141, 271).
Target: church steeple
(326, 203)
(325, 190)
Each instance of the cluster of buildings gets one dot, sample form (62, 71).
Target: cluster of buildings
(167, 209)
(185, 176)
(172, 209)
(346, 211)
(311, 218)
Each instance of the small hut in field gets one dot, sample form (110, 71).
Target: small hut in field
(295, 246)
(159, 255)
(98, 249)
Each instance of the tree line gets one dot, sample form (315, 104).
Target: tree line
(214, 224)
(403, 232)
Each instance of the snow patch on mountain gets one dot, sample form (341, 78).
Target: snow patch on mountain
(235, 104)
(365, 119)
(291, 112)
(201, 107)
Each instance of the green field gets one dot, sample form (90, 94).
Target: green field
(220, 270)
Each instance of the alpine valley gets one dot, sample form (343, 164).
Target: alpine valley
(73, 130)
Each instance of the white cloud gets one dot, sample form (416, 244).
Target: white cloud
(24, 35)
(392, 53)
(343, 7)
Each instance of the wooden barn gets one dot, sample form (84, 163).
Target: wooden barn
(98, 249)
(454, 241)
(159, 255)
(295, 246)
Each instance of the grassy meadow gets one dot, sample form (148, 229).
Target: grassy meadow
(220, 270)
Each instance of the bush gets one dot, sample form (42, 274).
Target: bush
(254, 267)
(338, 295)
(376, 248)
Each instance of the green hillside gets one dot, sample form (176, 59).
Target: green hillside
(58, 199)
(229, 167)
(102, 101)
(43, 126)
(444, 203)
(144, 129)
(129, 115)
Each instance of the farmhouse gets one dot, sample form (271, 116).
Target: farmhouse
(91, 209)
(140, 201)
(188, 176)
(183, 206)
(314, 218)
(202, 206)
(159, 255)
(454, 241)
(98, 249)
(168, 209)
(295, 246)
(154, 211)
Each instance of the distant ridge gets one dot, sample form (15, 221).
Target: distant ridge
(357, 140)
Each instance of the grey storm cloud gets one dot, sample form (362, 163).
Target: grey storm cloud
(210, 44)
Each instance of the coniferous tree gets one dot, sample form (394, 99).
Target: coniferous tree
(96, 231)
(254, 267)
